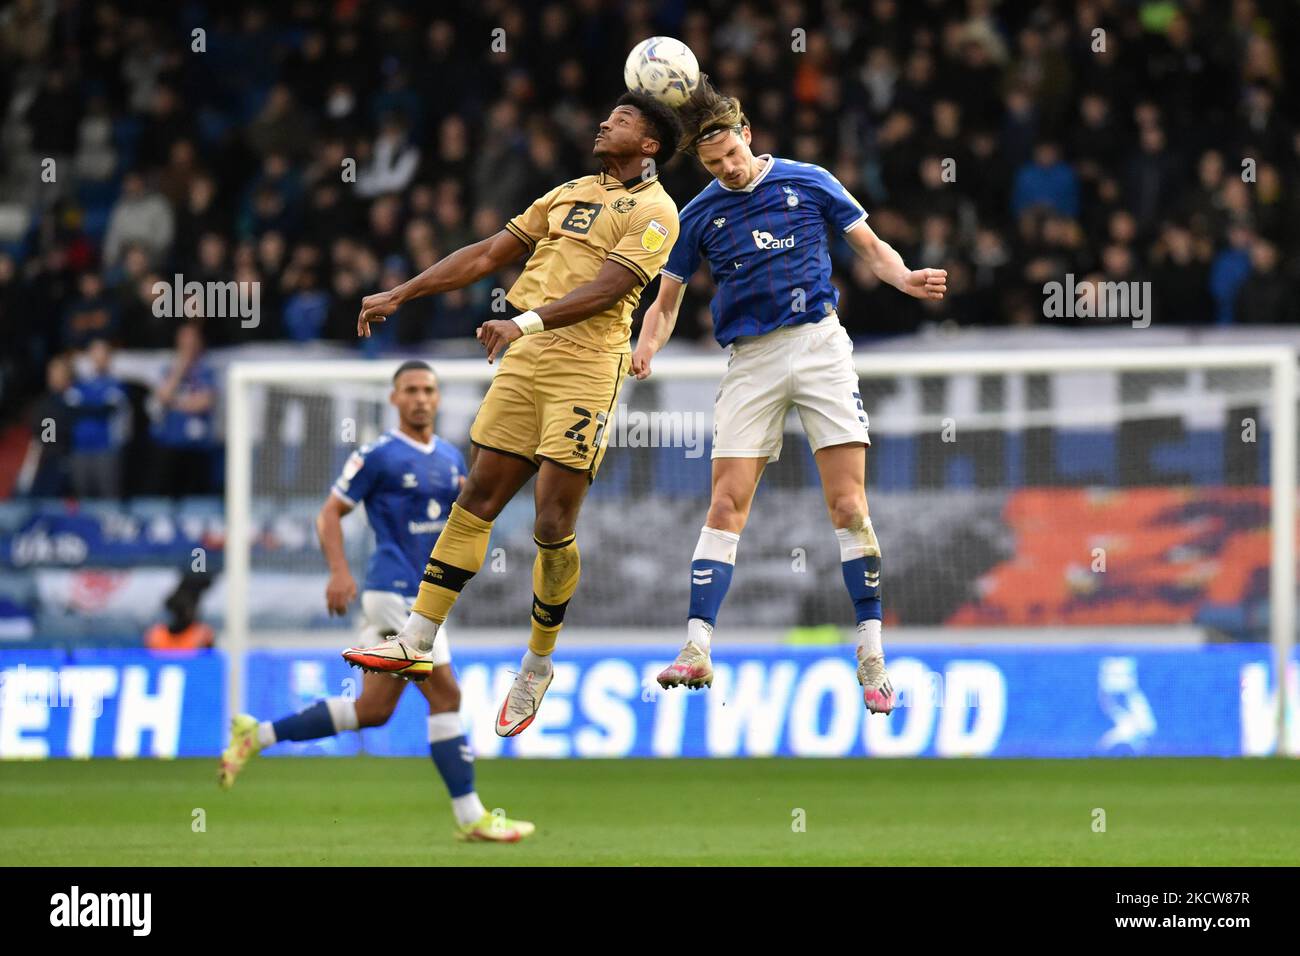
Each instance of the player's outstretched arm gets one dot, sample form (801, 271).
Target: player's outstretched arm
(658, 324)
(888, 265)
(461, 268)
(341, 590)
(611, 284)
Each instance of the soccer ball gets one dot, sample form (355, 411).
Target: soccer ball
(663, 68)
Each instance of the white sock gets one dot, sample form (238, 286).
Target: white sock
(419, 632)
(265, 734)
(343, 712)
(537, 663)
(714, 544)
(448, 726)
(445, 726)
(699, 633)
(467, 808)
(869, 639)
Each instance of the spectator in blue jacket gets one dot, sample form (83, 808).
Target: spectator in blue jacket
(182, 411)
(1229, 271)
(99, 409)
(91, 315)
(1047, 181)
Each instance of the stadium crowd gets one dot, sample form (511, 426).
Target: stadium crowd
(330, 149)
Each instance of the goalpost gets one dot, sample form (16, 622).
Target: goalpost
(986, 469)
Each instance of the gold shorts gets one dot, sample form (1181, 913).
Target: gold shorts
(551, 399)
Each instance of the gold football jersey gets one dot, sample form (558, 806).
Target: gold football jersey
(574, 228)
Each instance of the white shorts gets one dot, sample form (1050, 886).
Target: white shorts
(384, 613)
(805, 367)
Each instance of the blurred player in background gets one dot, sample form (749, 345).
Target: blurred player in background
(592, 244)
(761, 224)
(407, 481)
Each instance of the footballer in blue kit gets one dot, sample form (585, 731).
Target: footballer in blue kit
(407, 481)
(767, 248)
(408, 488)
(762, 225)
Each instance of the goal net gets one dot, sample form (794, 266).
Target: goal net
(1096, 495)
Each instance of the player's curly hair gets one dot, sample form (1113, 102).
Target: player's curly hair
(663, 122)
(707, 113)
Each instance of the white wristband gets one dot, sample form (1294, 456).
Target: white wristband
(529, 322)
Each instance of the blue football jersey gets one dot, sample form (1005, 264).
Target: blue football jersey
(99, 405)
(408, 489)
(766, 245)
(178, 429)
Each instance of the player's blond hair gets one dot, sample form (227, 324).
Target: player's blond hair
(707, 113)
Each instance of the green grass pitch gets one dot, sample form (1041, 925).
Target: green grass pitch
(316, 811)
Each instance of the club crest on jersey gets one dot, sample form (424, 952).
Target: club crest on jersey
(718, 223)
(653, 237)
(623, 204)
(791, 197)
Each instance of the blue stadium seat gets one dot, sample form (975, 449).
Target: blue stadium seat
(126, 132)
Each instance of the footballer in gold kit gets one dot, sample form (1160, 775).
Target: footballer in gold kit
(592, 244)
(555, 390)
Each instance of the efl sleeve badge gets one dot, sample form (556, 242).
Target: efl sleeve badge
(653, 237)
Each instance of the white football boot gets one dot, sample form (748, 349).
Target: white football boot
(877, 692)
(693, 668)
(521, 703)
(393, 656)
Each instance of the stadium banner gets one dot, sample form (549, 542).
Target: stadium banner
(785, 701)
(111, 703)
(805, 701)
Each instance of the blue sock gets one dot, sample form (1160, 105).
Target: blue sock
(709, 583)
(862, 578)
(860, 562)
(711, 568)
(451, 755)
(307, 724)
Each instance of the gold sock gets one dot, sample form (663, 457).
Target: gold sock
(555, 578)
(457, 557)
